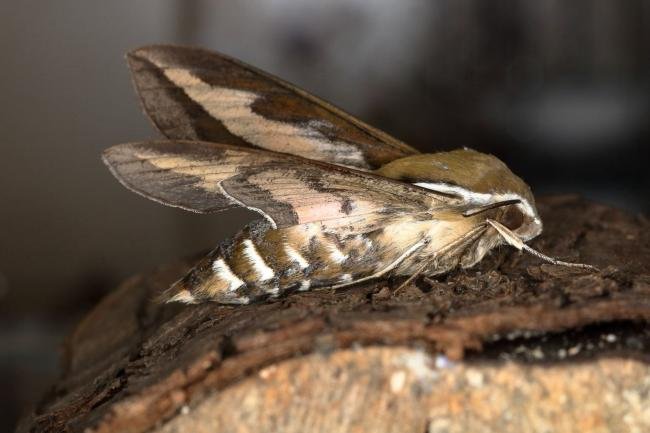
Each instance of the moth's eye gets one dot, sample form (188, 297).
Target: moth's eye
(512, 218)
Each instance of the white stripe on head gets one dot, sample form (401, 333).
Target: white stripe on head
(480, 199)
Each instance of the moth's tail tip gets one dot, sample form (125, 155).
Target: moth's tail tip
(184, 296)
(176, 293)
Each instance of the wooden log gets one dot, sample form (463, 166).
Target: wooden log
(513, 345)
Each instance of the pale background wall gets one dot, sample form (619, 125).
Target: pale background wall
(559, 90)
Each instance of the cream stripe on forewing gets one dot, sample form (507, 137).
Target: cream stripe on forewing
(222, 270)
(233, 108)
(257, 262)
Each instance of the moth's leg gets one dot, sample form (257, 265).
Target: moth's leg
(416, 273)
(408, 253)
(513, 240)
(449, 248)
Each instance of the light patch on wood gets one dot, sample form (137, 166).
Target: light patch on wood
(222, 271)
(420, 365)
(296, 257)
(233, 108)
(304, 285)
(257, 262)
(397, 381)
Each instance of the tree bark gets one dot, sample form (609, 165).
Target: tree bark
(512, 345)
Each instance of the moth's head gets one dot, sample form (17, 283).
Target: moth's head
(480, 183)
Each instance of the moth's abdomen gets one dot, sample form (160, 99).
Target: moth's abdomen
(261, 262)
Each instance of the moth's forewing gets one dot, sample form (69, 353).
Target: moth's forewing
(288, 190)
(194, 94)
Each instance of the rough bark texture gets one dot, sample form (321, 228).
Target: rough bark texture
(511, 345)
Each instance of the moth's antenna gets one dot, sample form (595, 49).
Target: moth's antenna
(513, 240)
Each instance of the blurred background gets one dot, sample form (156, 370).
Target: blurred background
(558, 90)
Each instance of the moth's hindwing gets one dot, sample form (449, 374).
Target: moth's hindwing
(194, 94)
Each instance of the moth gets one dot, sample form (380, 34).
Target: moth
(342, 202)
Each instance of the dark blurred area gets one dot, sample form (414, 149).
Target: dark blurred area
(558, 90)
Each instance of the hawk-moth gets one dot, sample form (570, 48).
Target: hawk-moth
(342, 201)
